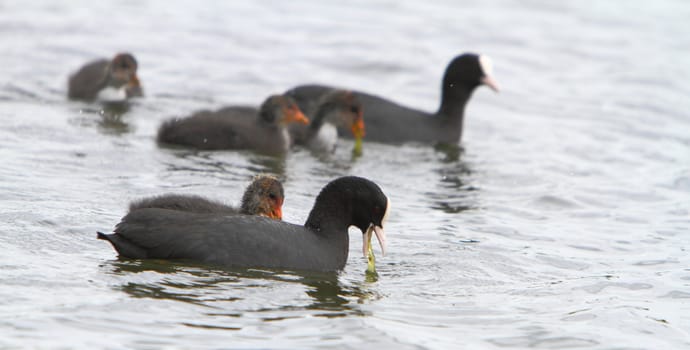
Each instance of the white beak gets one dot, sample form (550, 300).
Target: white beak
(380, 236)
(490, 82)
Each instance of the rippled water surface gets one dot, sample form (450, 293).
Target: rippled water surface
(564, 224)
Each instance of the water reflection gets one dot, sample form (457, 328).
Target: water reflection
(200, 285)
(454, 192)
(204, 160)
(225, 162)
(451, 151)
(267, 164)
(108, 119)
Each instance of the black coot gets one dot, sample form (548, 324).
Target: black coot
(237, 127)
(321, 244)
(264, 196)
(390, 122)
(105, 79)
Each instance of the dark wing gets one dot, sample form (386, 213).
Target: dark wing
(181, 202)
(205, 130)
(385, 120)
(389, 122)
(235, 240)
(238, 112)
(88, 81)
(307, 97)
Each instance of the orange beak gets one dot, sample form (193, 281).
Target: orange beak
(358, 127)
(134, 81)
(295, 115)
(277, 210)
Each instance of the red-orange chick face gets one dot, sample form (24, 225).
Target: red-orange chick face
(265, 197)
(123, 70)
(351, 114)
(292, 113)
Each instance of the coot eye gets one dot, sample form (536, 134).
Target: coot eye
(272, 196)
(354, 109)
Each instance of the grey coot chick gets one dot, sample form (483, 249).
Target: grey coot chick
(264, 197)
(108, 80)
(237, 127)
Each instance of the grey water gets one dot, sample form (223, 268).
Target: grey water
(564, 223)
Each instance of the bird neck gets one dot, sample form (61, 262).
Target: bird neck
(452, 109)
(330, 221)
(453, 100)
(111, 80)
(319, 118)
(329, 216)
(270, 125)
